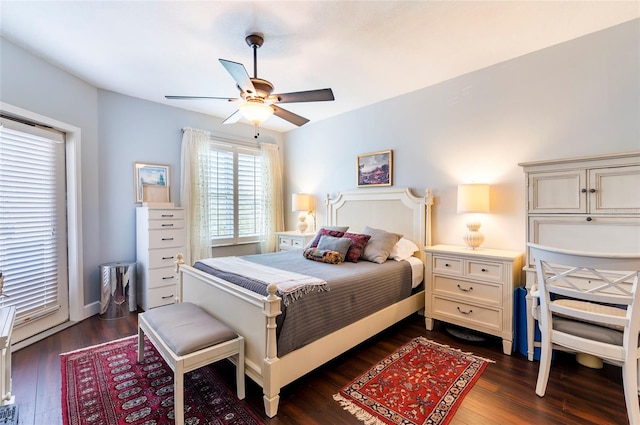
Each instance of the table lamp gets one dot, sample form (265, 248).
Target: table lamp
(473, 198)
(303, 203)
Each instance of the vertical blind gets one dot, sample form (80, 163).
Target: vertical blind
(32, 219)
(235, 194)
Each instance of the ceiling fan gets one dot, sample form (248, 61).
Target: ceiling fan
(259, 102)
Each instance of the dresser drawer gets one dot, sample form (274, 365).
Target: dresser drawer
(161, 296)
(471, 315)
(447, 265)
(475, 292)
(491, 272)
(166, 224)
(165, 257)
(168, 214)
(166, 238)
(162, 277)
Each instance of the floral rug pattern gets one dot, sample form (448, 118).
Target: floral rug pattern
(421, 383)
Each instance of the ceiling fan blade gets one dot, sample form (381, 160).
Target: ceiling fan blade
(304, 96)
(239, 74)
(289, 116)
(233, 118)
(228, 99)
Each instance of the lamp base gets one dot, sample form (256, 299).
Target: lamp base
(473, 238)
(302, 223)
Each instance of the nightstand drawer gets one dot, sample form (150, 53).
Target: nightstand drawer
(165, 257)
(166, 224)
(446, 265)
(468, 291)
(484, 270)
(470, 314)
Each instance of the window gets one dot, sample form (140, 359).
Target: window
(235, 194)
(33, 226)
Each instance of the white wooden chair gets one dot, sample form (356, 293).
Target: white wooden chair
(188, 338)
(589, 304)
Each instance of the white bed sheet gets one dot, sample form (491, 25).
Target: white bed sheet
(417, 271)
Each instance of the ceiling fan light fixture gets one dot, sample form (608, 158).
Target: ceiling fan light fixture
(255, 111)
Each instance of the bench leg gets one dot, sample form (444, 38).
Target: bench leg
(178, 394)
(240, 371)
(140, 345)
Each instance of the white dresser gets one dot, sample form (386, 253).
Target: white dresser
(473, 289)
(288, 241)
(586, 204)
(160, 236)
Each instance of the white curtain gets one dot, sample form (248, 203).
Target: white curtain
(194, 193)
(273, 200)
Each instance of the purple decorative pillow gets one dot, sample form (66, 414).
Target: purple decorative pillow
(358, 242)
(323, 232)
(323, 256)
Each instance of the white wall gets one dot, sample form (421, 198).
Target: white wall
(578, 98)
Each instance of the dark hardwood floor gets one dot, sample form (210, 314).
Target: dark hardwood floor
(503, 395)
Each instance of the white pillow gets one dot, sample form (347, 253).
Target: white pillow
(403, 250)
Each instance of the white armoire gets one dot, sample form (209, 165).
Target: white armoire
(587, 204)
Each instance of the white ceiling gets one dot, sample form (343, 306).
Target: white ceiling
(366, 51)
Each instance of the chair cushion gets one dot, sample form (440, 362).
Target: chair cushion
(186, 328)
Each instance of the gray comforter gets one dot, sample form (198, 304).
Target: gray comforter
(356, 290)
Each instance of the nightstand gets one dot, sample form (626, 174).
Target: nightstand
(288, 241)
(473, 289)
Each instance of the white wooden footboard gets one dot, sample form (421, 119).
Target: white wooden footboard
(251, 315)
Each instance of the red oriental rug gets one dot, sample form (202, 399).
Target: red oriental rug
(421, 383)
(106, 385)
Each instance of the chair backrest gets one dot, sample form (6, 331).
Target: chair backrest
(602, 278)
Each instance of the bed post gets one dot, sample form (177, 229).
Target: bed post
(179, 261)
(271, 371)
(428, 200)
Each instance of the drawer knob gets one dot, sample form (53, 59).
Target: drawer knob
(592, 190)
(167, 224)
(167, 277)
(447, 265)
(483, 270)
(465, 312)
(168, 258)
(167, 215)
(166, 297)
(589, 219)
(465, 289)
(167, 239)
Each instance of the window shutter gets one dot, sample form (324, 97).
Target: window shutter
(32, 219)
(221, 193)
(249, 195)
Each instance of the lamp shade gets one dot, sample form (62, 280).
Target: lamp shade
(473, 198)
(256, 112)
(301, 202)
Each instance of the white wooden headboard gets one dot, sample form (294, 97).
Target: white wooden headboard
(395, 210)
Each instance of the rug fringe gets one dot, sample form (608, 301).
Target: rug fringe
(360, 414)
(98, 345)
(468, 353)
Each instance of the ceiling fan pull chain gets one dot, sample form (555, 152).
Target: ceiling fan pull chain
(256, 131)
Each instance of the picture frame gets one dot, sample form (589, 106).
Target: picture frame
(151, 182)
(375, 169)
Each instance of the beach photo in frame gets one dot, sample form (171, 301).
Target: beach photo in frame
(151, 182)
(375, 169)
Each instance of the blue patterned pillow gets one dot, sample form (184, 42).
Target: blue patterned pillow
(323, 256)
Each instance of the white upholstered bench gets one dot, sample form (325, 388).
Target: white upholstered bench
(188, 338)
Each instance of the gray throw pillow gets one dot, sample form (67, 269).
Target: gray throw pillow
(379, 247)
(330, 243)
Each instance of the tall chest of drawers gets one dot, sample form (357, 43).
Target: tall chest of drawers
(160, 236)
(473, 289)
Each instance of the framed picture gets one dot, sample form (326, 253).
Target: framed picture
(375, 169)
(151, 182)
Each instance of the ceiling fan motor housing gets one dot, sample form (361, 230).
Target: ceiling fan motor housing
(263, 89)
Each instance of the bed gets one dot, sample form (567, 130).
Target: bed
(254, 316)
